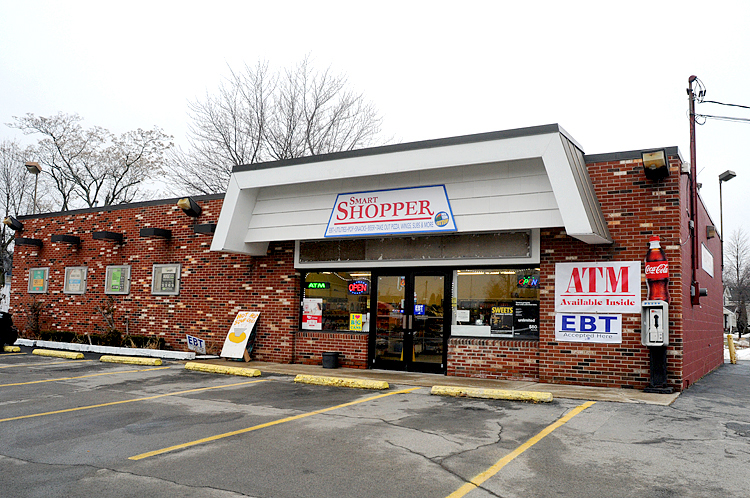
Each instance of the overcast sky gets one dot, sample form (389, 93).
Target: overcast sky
(613, 74)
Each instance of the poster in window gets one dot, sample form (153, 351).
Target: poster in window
(526, 318)
(312, 314)
(116, 281)
(38, 280)
(168, 279)
(501, 320)
(75, 280)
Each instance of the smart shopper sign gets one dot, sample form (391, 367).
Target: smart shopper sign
(388, 212)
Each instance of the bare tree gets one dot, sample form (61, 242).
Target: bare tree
(737, 274)
(260, 115)
(16, 195)
(93, 165)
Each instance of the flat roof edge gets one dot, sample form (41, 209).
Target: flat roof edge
(628, 155)
(115, 207)
(408, 146)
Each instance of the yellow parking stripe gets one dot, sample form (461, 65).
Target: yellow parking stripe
(479, 479)
(263, 426)
(11, 354)
(81, 377)
(44, 364)
(112, 403)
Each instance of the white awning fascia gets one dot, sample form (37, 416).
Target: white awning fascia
(562, 158)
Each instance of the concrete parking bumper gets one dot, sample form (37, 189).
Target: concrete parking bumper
(321, 380)
(222, 369)
(468, 392)
(58, 354)
(130, 360)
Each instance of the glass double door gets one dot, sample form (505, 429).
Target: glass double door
(410, 320)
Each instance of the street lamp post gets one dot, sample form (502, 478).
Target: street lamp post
(724, 177)
(34, 169)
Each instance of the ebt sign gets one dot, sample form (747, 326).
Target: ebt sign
(609, 287)
(386, 212)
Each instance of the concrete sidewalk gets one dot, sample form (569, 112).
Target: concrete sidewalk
(429, 380)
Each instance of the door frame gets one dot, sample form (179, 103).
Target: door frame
(407, 364)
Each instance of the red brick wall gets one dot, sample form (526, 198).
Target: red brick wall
(310, 345)
(703, 337)
(214, 286)
(634, 208)
(493, 359)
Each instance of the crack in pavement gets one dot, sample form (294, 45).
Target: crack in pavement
(95, 469)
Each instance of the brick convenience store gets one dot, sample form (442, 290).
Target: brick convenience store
(508, 255)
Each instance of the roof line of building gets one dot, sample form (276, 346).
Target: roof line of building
(628, 155)
(115, 207)
(422, 144)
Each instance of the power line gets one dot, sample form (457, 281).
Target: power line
(722, 103)
(723, 118)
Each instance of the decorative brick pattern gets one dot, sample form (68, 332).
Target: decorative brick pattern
(493, 359)
(310, 346)
(214, 286)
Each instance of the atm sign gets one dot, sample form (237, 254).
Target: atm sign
(318, 285)
(358, 287)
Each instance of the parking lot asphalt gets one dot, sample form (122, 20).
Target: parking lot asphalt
(86, 428)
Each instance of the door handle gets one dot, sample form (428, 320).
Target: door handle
(410, 322)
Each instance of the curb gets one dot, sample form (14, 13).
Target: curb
(88, 348)
(532, 396)
(58, 354)
(339, 382)
(131, 360)
(11, 349)
(220, 369)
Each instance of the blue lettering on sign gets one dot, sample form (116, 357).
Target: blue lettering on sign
(588, 323)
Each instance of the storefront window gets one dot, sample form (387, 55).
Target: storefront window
(497, 303)
(336, 301)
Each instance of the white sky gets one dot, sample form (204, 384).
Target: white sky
(613, 74)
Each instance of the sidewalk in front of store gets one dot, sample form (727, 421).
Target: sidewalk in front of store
(429, 380)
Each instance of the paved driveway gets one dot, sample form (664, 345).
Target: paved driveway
(91, 429)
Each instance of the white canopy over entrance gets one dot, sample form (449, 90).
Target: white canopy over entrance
(528, 178)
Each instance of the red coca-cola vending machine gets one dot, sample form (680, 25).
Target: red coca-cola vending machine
(655, 316)
(655, 309)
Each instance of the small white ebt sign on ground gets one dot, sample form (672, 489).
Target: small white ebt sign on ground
(387, 212)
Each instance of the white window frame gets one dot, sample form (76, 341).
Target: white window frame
(124, 280)
(156, 276)
(84, 278)
(46, 280)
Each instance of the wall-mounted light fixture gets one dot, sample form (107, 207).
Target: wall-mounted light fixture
(655, 164)
(189, 207)
(13, 223)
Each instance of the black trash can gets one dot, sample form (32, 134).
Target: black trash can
(8, 333)
(331, 359)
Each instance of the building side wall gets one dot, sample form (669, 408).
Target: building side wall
(703, 335)
(635, 208)
(214, 286)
